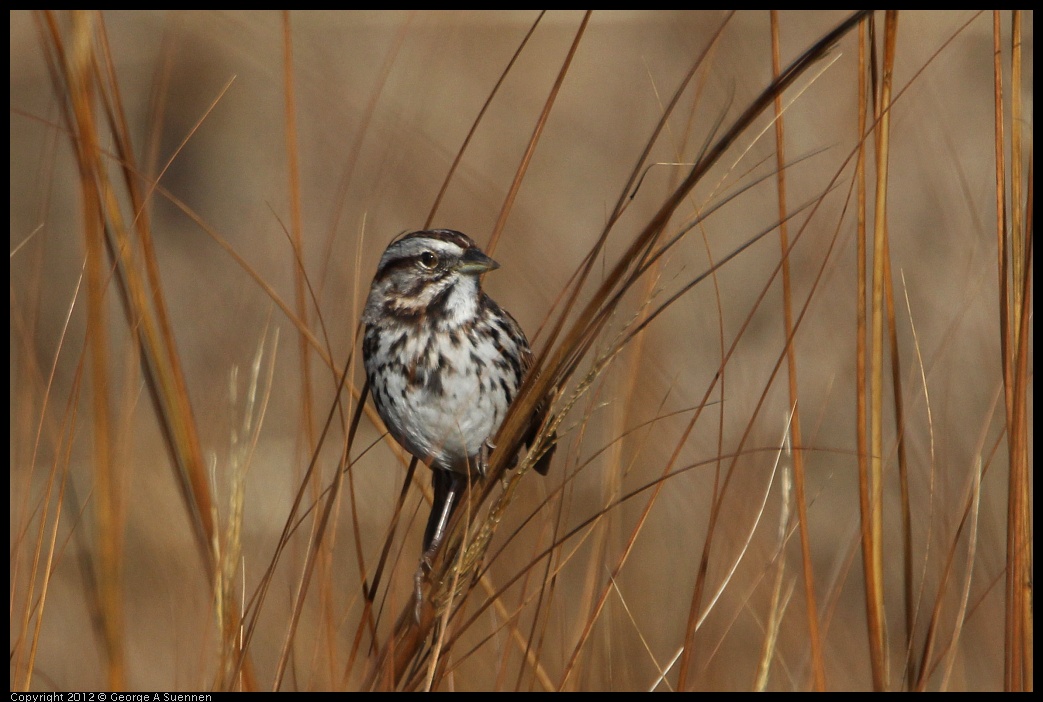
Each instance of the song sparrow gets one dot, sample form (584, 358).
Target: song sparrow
(443, 361)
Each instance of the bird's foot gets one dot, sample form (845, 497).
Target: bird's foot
(483, 457)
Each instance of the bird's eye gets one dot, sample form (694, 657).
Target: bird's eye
(428, 260)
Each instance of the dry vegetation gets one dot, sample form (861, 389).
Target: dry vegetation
(777, 268)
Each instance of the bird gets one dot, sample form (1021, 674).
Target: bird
(444, 363)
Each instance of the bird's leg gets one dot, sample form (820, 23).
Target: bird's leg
(447, 486)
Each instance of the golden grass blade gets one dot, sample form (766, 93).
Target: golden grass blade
(817, 663)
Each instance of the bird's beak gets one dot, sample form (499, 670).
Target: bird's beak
(474, 262)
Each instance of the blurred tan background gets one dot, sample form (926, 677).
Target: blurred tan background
(383, 102)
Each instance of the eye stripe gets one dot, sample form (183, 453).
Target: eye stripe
(407, 252)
